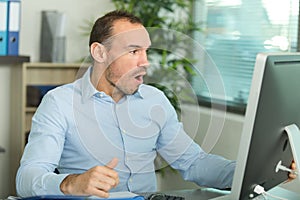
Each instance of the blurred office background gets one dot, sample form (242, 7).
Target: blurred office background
(233, 32)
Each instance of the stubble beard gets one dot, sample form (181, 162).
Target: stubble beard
(118, 88)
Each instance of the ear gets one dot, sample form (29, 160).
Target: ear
(98, 52)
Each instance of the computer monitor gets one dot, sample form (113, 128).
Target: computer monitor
(271, 125)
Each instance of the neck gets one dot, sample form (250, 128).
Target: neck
(100, 82)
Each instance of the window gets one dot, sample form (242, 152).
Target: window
(234, 31)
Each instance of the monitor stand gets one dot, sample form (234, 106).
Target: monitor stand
(293, 133)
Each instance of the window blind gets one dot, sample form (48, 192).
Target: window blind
(233, 32)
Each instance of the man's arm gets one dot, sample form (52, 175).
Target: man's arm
(35, 180)
(182, 153)
(43, 152)
(211, 171)
(197, 166)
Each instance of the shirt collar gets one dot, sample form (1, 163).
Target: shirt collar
(140, 92)
(88, 90)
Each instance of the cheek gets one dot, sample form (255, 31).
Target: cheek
(118, 71)
(123, 66)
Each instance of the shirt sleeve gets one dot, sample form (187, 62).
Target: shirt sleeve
(211, 171)
(41, 155)
(183, 154)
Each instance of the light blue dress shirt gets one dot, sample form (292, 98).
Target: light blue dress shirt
(77, 127)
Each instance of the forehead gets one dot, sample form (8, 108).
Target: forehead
(126, 34)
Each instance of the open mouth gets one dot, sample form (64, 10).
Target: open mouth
(139, 78)
(139, 75)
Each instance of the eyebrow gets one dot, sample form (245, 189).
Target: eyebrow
(137, 46)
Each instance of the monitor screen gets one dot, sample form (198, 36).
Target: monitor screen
(273, 104)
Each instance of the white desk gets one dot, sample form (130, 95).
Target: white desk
(208, 193)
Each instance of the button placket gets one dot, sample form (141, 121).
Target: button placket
(127, 158)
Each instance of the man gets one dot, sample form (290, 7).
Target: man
(103, 131)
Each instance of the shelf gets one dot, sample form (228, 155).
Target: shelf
(41, 65)
(4, 60)
(31, 109)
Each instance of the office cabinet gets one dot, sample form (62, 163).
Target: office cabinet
(5, 71)
(29, 83)
(7, 63)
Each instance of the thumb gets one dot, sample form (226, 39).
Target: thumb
(113, 163)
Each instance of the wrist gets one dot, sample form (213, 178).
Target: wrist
(66, 184)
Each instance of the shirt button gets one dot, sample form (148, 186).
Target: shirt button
(130, 180)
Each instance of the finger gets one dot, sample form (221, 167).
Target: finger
(100, 193)
(107, 182)
(293, 166)
(99, 171)
(113, 163)
(107, 175)
(292, 175)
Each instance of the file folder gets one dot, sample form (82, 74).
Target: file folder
(3, 26)
(14, 14)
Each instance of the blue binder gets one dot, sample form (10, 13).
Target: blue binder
(14, 14)
(3, 26)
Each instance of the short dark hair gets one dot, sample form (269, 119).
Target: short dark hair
(102, 28)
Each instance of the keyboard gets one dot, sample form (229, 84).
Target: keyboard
(160, 196)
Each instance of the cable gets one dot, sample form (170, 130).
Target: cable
(258, 189)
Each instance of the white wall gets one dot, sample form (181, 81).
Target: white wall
(77, 11)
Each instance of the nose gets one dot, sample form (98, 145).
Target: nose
(143, 60)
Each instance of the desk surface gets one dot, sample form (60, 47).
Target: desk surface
(209, 193)
(198, 194)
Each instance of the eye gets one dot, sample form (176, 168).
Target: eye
(134, 51)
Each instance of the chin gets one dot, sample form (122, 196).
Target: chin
(133, 91)
(129, 90)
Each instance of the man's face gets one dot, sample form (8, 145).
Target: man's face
(127, 56)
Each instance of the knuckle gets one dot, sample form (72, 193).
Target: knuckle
(106, 187)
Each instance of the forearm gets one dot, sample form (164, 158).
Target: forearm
(211, 171)
(36, 180)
